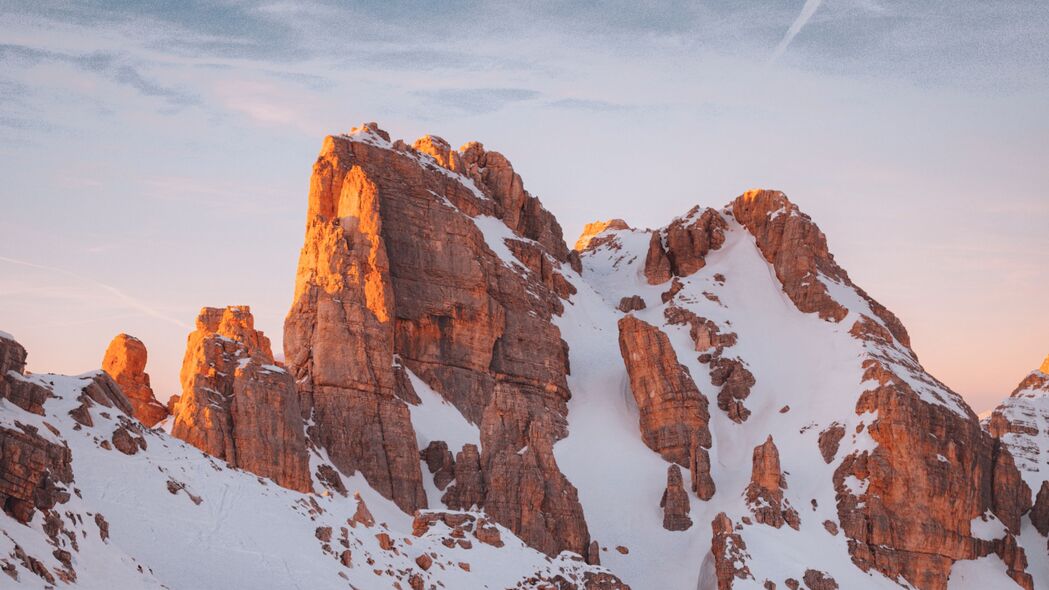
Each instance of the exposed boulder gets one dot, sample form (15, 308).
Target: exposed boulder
(631, 303)
(440, 463)
(829, 440)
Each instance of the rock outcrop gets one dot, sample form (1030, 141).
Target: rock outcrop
(237, 404)
(125, 361)
(675, 503)
(592, 231)
(1040, 510)
(764, 495)
(730, 553)
(797, 250)
(729, 374)
(680, 249)
(674, 416)
(34, 471)
(13, 386)
(441, 258)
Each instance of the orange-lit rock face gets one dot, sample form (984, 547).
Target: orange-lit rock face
(674, 416)
(730, 553)
(125, 361)
(593, 229)
(394, 264)
(912, 516)
(1045, 366)
(236, 404)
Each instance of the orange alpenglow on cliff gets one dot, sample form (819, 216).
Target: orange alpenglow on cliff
(125, 361)
(237, 404)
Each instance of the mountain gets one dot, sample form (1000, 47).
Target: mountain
(1021, 423)
(467, 403)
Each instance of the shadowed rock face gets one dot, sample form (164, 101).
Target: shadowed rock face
(680, 249)
(236, 404)
(395, 263)
(125, 361)
(34, 470)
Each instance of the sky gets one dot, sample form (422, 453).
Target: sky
(155, 156)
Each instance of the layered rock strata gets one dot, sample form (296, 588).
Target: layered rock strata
(237, 404)
(441, 258)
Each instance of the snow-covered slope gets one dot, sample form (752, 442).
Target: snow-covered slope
(175, 518)
(808, 376)
(1022, 423)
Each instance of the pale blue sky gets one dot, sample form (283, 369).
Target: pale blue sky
(155, 156)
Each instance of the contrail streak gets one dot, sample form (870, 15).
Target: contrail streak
(806, 13)
(122, 297)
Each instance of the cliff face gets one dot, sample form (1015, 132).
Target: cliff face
(438, 259)
(236, 404)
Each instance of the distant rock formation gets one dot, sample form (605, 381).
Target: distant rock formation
(594, 229)
(237, 404)
(125, 361)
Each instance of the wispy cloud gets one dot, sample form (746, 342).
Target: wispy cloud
(477, 100)
(118, 296)
(807, 11)
(104, 64)
(586, 104)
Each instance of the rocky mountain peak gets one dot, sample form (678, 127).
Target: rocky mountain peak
(1045, 366)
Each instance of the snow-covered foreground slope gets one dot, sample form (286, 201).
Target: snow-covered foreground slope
(175, 518)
